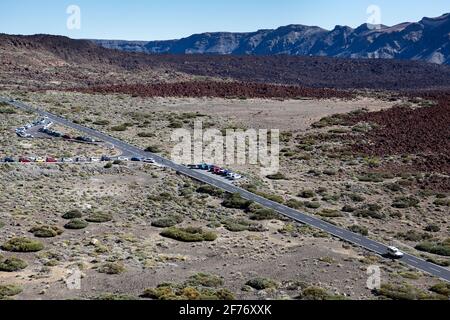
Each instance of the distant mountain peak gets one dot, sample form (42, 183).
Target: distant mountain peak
(426, 40)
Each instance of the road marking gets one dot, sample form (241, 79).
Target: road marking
(436, 270)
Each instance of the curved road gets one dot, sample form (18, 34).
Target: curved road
(344, 234)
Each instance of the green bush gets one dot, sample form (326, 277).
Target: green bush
(432, 228)
(359, 229)
(109, 165)
(312, 205)
(329, 213)
(235, 201)
(264, 214)
(294, 204)
(414, 236)
(76, 224)
(146, 134)
(46, 231)
(99, 217)
(314, 293)
(182, 292)
(441, 249)
(371, 177)
(401, 292)
(348, 208)
(370, 211)
(9, 291)
(442, 202)
(72, 214)
(405, 202)
(189, 234)
(167, 222)
(12, 264)
(114, 297)
(207, 189)
(239, 225)
(2, 224)
(101, 122)
(262, 283)
(153, 149)
(111, 268)
(442, 288)
(22, 245)
(204, 280)
(122, 127)
(307, 194)
(276, 176)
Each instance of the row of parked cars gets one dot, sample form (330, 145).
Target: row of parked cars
(75, 160)
(22, 131)
(217, 170)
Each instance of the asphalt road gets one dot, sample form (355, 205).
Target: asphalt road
(343, 234)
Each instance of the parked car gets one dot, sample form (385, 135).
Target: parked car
(122, 159)
(24, 160)
(136, 159)
(94, 159)
(105, 158)
(51, 160)
(67, 137)
(40, 160)
(149, 160)
(67, 160)
(395, 252)
(80, 159)
(8, 159)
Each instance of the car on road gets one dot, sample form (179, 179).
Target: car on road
(24, 160)
(51, 160)
(136, 159)
(395, 252)
(8, 159)
(94, 159)
(39, 160)
(122, 159)
(67, 137)
(149, 160)
(80, 159)
(67, 160)
(105, 158)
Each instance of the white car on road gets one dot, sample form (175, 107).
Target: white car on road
(395, 252)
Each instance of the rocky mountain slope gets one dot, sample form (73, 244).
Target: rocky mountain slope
(428, 40)
(44, 61)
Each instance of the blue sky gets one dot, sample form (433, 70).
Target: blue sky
(171, 19)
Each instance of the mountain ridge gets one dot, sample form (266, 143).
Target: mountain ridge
(427, 40)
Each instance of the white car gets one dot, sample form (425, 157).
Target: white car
(94, 159)
(122, 159)
(395, 252)
(149, 160)
(67, 160)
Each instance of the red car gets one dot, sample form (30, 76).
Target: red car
(24, 160)
(51, 160)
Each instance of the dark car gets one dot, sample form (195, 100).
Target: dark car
(24, 160)
(136, 159)
(105, 158)
(8, 159)
(67, 137)
(51, 160)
